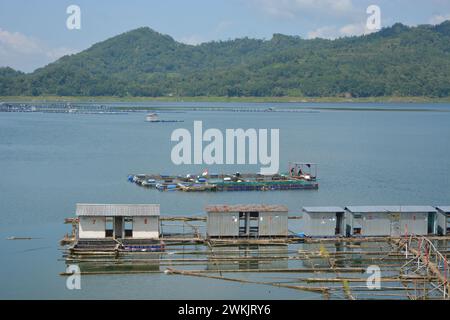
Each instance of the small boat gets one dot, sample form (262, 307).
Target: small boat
(152, 117)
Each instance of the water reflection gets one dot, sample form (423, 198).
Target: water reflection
(246, 257)
(103, 264)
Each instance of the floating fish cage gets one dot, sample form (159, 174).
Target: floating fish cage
(300, 176)
(267, 186)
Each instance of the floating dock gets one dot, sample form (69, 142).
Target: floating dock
(301, 176)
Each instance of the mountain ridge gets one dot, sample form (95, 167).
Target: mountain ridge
(398, 60)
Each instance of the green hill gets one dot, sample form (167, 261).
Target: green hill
(396, 61)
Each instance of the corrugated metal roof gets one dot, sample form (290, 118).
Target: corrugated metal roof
(246, 208)
(415, 209)
(110, 210)
(405, 209)
(444, 208)
(364, 209)
(322, 209)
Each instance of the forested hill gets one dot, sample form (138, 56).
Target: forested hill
(396, 61)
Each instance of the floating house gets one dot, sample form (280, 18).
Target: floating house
(324, 221)
(443, 218)
(118, 221)
(392, 221)
(247, 221)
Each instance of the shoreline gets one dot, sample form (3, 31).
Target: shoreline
(112, 99)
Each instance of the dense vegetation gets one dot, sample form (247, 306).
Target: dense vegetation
(396, 61)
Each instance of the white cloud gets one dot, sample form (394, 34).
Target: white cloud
(193, 39)
(27, 53)
(333, 32)
(291, 8)
(354, 29)
(327, 32)
(439, 18)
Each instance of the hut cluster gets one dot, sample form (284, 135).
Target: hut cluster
(112, 221)
(391, 221)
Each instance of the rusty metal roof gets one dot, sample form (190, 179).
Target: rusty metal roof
(111, 210)
(246, 208)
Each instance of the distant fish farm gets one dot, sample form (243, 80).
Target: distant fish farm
(300, 176)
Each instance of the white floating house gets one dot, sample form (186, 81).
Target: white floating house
(392, 221)
(443, 218)
(247, 220)
(118, 221)
(324, 221)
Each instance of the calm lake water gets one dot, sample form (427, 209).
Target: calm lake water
(49, 162)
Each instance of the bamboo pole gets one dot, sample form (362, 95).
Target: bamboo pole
(296, 287)
(297, 270)
(432, 267)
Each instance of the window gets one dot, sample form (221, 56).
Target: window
(128, 227)
(254, 215)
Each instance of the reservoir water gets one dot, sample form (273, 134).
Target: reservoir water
(49, 162)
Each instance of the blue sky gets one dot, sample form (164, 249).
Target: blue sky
(33, 33)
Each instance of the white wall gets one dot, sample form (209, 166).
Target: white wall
(320, 224)
(375, 224)
(273, 224)
(415, 223)
(223, 224)
(145, 227)
(379, 224)
(92, 228)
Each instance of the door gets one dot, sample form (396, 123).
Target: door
(339, 223)
(109, 227)
(447, 224)
(395, 224)
(118, 227)
(248, 224)
(253, 224)
(431, 223)
(357, 225)
(243, 224)
(128, 227)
